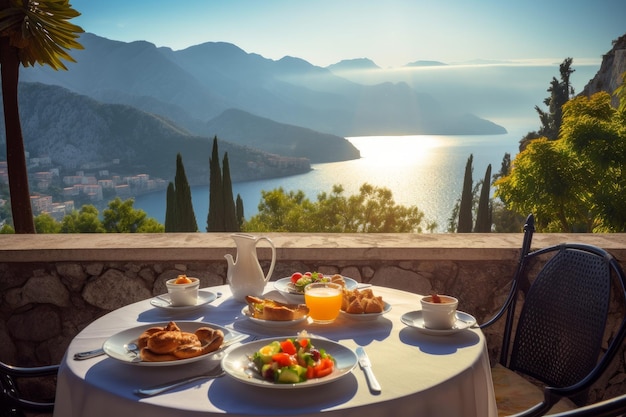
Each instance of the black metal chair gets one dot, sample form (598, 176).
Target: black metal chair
(613, 407)
(557, 336)
(12, 404)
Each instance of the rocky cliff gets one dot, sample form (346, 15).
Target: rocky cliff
(610, 74)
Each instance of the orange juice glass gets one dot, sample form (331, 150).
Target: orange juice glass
(323, 300)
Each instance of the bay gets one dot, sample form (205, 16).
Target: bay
(421, 170)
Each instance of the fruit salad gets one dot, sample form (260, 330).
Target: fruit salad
(292, 360)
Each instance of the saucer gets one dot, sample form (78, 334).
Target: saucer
(415, 319)
(163, 301)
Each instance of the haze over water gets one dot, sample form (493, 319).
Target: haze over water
(422, 170)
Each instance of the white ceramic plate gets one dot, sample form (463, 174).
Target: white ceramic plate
(282, 285)
(367, 316)
(415, 319)
(236, 362)
(271, 323)
(163, 301)
(114, 346)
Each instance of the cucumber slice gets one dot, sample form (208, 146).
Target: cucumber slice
(288, 376)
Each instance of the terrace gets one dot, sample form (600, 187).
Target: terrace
(52, 286)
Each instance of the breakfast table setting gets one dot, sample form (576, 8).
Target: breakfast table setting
(394, 360)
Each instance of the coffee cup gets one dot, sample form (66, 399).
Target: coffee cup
(439, 312)
(182, 292)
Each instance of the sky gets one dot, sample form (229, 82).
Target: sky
(391, 33)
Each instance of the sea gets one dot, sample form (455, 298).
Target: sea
(426, 171)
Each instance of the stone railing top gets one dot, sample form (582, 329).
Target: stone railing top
(213, 246)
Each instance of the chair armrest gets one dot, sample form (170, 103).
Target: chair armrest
(17, 371)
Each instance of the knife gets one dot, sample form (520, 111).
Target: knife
(81, 356)
(366, 365)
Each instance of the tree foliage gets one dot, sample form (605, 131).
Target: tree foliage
(30, 32)
(179, 214)
(483, 213)
(45, 223)
(575, 183)
(240, 211)
(560, 93)
(170, 208)
(84, 221)
(121, 217)
(373, 210)
(222, 215)
(215, 218)
(230, 209)
(467, 197)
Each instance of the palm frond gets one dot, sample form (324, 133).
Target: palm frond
(41, 31)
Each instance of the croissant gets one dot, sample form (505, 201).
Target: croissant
(168, 343)
(361, 302)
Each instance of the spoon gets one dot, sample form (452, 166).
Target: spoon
(132, 348)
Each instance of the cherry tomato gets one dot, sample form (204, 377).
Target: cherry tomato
(288, 347)
(308, 274)
(324, 368)
(310, 372)
(283, 359)
(295, 277)
(303, 342)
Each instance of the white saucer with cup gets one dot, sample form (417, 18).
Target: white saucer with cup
(439, 311)
(182, 292)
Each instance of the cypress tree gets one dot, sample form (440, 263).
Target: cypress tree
(170, 209)
(185, 217)
(239, 208)
(215, 218)
(465, 209)
(483, 215)
(230, 212)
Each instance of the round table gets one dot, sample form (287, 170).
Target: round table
(420, 374)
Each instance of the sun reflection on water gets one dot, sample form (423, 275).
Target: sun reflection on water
(398, 150)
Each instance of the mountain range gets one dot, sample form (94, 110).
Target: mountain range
(79, 133)
(141, 104)
(194, 85)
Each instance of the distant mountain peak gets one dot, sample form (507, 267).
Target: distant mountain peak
(425, 63)
(353, 64)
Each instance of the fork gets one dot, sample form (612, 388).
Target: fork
(216, 372)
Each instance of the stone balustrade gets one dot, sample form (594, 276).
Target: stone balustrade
(52, 286)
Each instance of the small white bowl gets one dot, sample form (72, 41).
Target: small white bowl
(183, 294)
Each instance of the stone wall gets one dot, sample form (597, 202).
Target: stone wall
(51, 288)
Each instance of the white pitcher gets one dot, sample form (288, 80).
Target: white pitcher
(245, 275)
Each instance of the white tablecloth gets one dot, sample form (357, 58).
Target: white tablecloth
(420, 375)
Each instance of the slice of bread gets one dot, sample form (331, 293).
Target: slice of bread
(266, 309)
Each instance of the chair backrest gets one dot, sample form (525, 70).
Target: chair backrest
(558, 335)
(563, 319)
